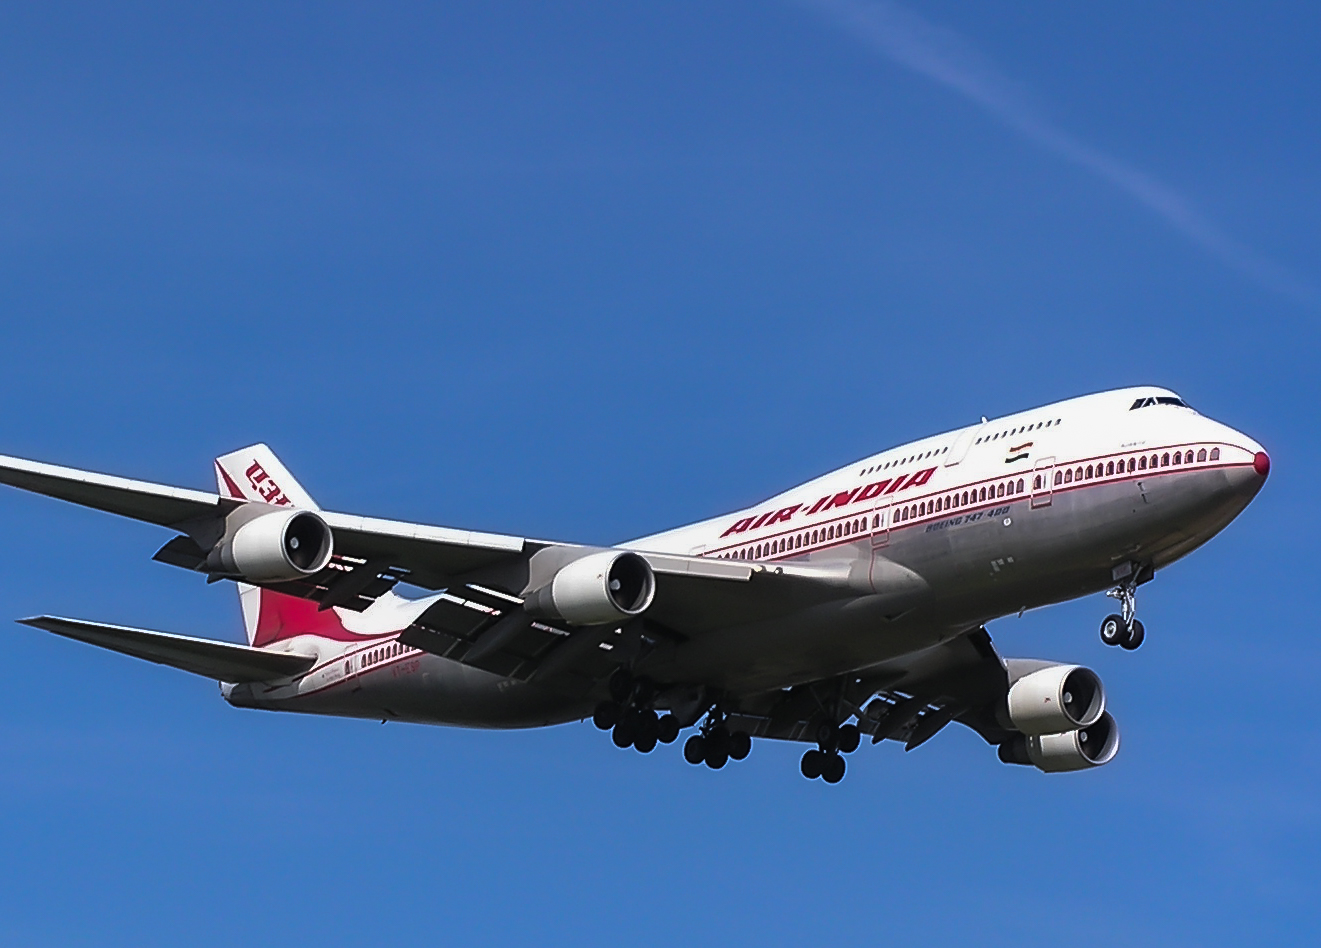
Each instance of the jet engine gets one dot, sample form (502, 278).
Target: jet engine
(272, 546)
(1055, 699)
(596, 589)
(1078, 749)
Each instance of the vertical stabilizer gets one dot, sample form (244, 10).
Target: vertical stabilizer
(255, 473)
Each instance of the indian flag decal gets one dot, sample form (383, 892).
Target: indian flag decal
(1019, 453)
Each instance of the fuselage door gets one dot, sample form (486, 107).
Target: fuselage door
(880, 524)
(959, 449)
(1043, 482)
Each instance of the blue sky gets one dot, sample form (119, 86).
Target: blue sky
(587, 271)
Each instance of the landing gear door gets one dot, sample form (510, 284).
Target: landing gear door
(1043, 482)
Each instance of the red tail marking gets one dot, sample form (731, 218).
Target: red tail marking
(283, 617)
(229, 484)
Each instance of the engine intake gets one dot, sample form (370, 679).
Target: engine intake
(597, 589)
(272, 547)
(1056, 699)
(1079, 749)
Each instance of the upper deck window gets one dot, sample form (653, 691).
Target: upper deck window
(1158, 400)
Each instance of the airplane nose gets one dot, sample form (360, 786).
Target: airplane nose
(1261, 463)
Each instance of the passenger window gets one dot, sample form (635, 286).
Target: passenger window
(1068, 477)
(1089, 472)
(1188, 458)
(1110, 468)
(1020, 485)
(1132, 465)
(1165, 459)
(1077, 475)
(1215, 454)
(1154, 461)
(1059, 478)
(1000, 490)
(1036, 482)
(1142, 463)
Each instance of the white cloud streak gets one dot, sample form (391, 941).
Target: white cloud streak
(910, 41)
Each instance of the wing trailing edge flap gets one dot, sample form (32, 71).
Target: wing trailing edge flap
(222, 661)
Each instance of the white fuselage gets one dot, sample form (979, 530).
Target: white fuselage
(925, 541)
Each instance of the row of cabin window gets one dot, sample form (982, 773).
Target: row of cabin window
(1011, 432)
(798, 540)
(952, 501)
(1142, 463)
(956, 500)
(378, 655)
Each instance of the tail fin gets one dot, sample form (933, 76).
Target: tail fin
(255, 473)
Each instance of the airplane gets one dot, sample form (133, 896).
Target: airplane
(853, 605)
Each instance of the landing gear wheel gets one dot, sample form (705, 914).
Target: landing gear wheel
(1114, 631)
(717, 740)
(716, 755)
(625, 732)
(648, 727)
(740, 745)
(849, 738)
(832, 770)
(812, 763)
(1136, 634)
(606, 715)
(694, 749)
(667, 729)
(646, 743)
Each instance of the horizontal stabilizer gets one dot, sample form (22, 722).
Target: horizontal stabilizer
(222, 661)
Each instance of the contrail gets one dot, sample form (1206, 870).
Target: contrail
(946, 58)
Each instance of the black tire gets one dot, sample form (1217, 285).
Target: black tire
(1135, 636)
(849, 738)
(646, 743)
(1113, 630)
(621, 685)
(667, 729)
(718, 740)
(832, 771)
(626, 731)
(694, 749)
(649, 727)
(812, 763)
(716, 757)
(740, 745)
(606, 715)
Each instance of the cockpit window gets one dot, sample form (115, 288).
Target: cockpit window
(1159, 400)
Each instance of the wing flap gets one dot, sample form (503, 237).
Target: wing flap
(223, 661)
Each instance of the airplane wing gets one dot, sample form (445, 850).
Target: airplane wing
(222, 661)
(481, 623)
(426, 555)
(908, 700)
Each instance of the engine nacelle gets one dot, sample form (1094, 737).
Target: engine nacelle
(597, 589)
(1078, 749)
(1056, 699)
(273, 546)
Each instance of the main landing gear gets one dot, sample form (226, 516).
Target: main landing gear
(715, 745)
(827, 760)
(630, 718)
(1125, 630)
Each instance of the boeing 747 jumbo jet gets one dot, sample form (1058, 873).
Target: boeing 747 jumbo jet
(852, 605)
